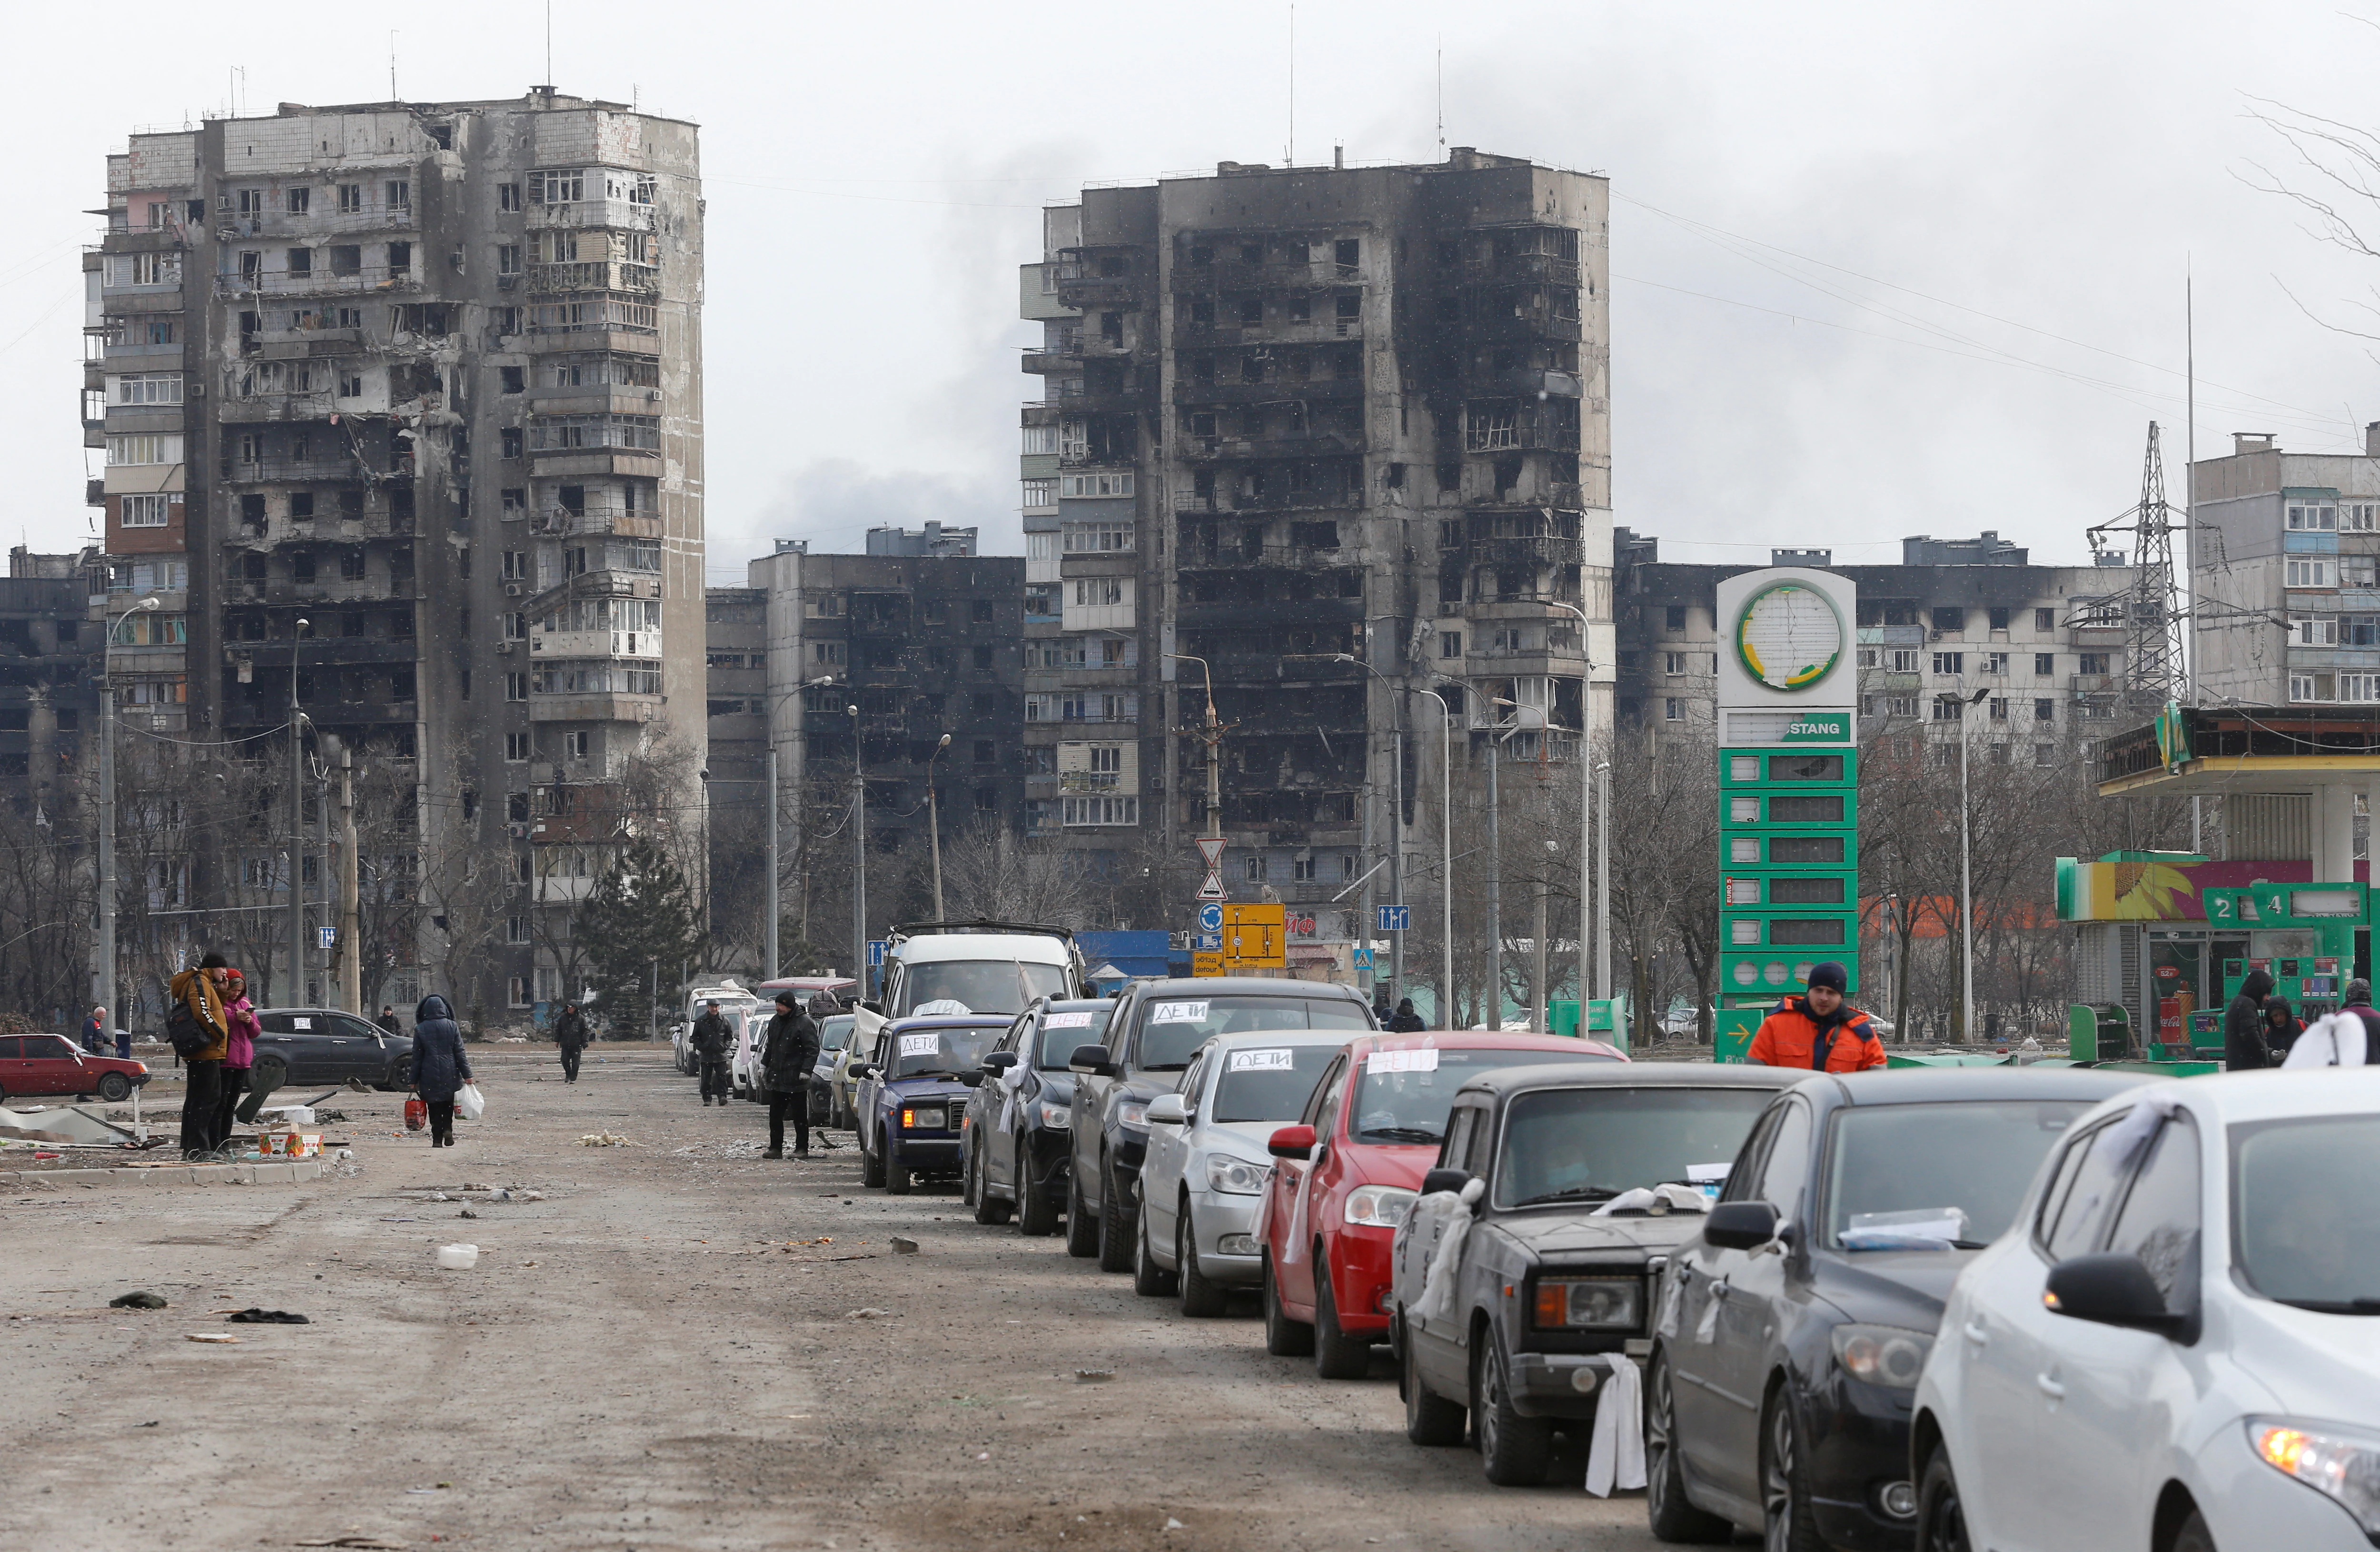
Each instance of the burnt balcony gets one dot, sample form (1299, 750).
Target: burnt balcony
(1224, 504)
(368, 280)
(1282, 390)
(594, 274)
(1538, 550)
(1312, 442)
(254, 409)
(1522, 269)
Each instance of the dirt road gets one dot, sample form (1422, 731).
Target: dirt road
(649, 1358)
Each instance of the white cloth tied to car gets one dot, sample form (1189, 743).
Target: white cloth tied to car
(1669, 1196)
(1011, 1081)
(1615, 1450)
(2119, 1141)
(1437, 1301)
(2333, 1040)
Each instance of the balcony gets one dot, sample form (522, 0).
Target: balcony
(285, 344)
(371, 280)
(1312, 331)
(254, 409)
(1544, 550)
(1522, 269)
(595, 707)
(562, 462)
(1065, 356)
(598, 274)
(585, 214)
(1310, 390)
(1090, 781)
(1190, 504)
(322, 223)
(1284, 274)
(1313, 442)
(276, 471)
(2092, 684)
(562, 522)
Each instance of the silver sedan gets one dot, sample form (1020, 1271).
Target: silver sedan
(1203, 1178)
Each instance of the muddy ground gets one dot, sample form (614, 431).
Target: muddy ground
(649, 1358)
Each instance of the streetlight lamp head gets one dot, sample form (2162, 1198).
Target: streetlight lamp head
(945, 743)
(148, 603)
(851, 710)
(305, 625)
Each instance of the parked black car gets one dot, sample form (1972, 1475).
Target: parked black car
(325, 1046)
(1793, 1329)
(1014, 1146)
(1546, 1297)
(1147, 1046)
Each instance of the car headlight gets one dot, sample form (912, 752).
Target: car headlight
(1237, 1177)
(1132, 1112)
(1061, 1116)
(924, 1117)
(1378, 1206)
(1885, 1355)
(1600, 1304)
(2342, 1466)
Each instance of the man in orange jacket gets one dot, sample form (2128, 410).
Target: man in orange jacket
(1818, 1031)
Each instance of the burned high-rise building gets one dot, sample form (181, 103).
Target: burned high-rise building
(1331, 436)
(406, 397)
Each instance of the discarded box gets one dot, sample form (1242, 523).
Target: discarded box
(291, 1145)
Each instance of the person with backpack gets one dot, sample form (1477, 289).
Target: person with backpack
(1818, 1031)
(194, 1024)
(571, 1034)
(786, 1061)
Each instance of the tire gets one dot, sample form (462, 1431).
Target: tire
(967, 1176)
(896, 1179)
(1669, 1516)
(1285, 1338)
(1430, 1419)
(1149, 1279)
(1201, 1300)
(1034, 1217)
(985, 1210)
(1941, 1513)
(1082, 1229)
(871, 1168)
(2194, 1536)
(400, 1074)
(1337, 1355)
(1786, 1523)
(1115, 1226)
(1515, 1450)
(115, 1087)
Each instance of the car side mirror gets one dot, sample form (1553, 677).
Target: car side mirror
(2114, 1288)
(1167, 1109)
(1000, 1061)
(1292, 1142)
(1092, 1060)
(973, 1077)
(1445, 1180)
(1740, 1225)
(861, 1070)
(872, 1006)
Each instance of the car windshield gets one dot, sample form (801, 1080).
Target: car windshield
(2298, 1242)
(979, 986)
(916, 1052)
(835, 1033)
(1936, 1176)
(1269, 1082)
(1404, 1094)
(1176, 1026)
(1589, 1144)
(1064, 1028)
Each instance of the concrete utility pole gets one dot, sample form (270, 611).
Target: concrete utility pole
(1966, 885)
(297, 826)
(1603, 887)
(103, 966)
(768, 780)
(1213, 736)
(1396, 825)
(934, 823)
(859, 856)
(351, 946)
(1445, 860)
(1585, 805)
(1495, 999)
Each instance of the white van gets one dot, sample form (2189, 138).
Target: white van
(728, 992)
(971, 967)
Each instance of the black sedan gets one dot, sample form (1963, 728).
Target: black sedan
(1016, 1138)
(1791, 1331)
(325, 1046)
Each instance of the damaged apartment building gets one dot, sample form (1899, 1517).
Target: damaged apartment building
(405, 398)
(1331, 436)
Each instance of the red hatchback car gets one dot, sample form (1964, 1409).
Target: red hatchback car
(31, 1064)
(1346, 1177)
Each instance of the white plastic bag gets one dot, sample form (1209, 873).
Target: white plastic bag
(469, 1102)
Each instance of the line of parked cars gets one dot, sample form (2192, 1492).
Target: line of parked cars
(2018, 1308)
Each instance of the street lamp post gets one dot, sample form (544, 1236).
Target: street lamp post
(297, 824)
(103, 970)
(1966, 884)
(1603, 887)
(1586, 800)
(1396, 827)
(858, 854)
(934, 823)
(1446, 859)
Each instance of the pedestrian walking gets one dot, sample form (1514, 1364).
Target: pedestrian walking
(711, 1040)
(439, 1068)
(1818, 1030)
(786, 1061)
(389, 1021)
(571, 1034)
(1404, 1020)
(198, 999)
(94, 1032)
(240, 1030)
(2243, 1024)
(2282, 1027)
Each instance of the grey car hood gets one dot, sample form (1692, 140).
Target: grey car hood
(1552, 1231)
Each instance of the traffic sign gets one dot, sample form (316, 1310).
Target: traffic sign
(1208, 943)
(1363, 959)
(1396, 918)
(1212, 890)
(1211, 917)
(330, 936)
(1212, 848)
(876, 947)
(1253, 937)
(1206, 965)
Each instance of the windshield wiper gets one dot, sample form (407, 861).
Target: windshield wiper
(1400, 1134)
(1166, 1067)
(2335, 1306)
(1570, 1193)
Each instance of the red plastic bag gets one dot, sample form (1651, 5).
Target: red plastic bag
(417, 1113)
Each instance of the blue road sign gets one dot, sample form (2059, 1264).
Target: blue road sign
(876, 947)
(330, 936)
(1211, 917)
(1208, 943)
(1363, 959)
(1396, 918)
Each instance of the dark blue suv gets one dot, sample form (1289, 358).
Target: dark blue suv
(910, 1097)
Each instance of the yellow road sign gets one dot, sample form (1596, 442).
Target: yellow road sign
(1206, 965)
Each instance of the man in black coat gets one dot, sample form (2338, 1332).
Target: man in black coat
(712, 1033)
(1404, 1020)
(388, 1020)
(2243, 1024)
(571, 1034)
(786, 1061)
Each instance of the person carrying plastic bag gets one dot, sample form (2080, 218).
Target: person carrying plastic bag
(439, 1068)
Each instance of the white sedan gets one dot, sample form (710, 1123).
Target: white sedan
(2176, 1346)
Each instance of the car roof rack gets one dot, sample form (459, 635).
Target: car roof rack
(911, 929)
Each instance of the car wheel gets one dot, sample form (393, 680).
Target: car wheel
(967, 1176)
(1337, 1355)
(1786, 1523)
(115, 1087)
(871, 1168)
(1116, 1225)
(1514, 1449)
(896, 1178)
(1035, 1215)
(985, 1210)
(1149, 1279)
(1430, 1418)
(1670, 1517)
(400, 1075)
(1941, 1514)
(1285, 1338)
(1201, 1300)
(2194, 1536)
(1082, 1229)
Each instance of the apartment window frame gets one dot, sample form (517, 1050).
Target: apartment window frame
(146, 510)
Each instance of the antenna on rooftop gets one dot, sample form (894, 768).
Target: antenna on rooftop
(1441, 93)
(392, 66)
(1290, 160)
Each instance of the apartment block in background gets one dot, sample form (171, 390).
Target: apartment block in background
(2288, 574)
(427, 376)
(1288, 415)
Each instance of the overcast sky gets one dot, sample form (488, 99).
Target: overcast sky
(1879, 268)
